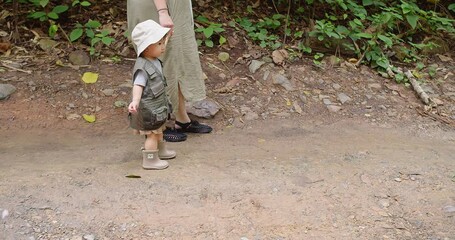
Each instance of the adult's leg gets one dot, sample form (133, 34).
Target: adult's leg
(181, 115)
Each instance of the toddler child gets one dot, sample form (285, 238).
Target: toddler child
(150, 108)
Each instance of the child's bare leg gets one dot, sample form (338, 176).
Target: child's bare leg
(151, 142)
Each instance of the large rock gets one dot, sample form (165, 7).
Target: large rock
(206, 108)
(6, 90)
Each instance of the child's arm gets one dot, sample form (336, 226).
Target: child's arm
(137, 93)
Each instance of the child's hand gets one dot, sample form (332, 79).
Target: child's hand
(132, 108)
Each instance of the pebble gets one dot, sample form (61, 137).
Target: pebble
(255, 65)
(5, 213)
(326, 101)
(108, 92)
(283, 81)
(6, 90)
(333, 108)
(73, 116)
(375, 86)
(449, 209)
(343, 98)
(120, 104)
(89, 237)
(384, 203)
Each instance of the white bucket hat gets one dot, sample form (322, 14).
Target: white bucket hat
(146, 33)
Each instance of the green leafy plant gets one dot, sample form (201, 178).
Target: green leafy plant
(263, 30)
(81, 3)
(317, 59)
(374, 29)
(93, 33)
(42, 14)
(209, 30)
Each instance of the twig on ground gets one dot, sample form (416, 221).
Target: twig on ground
(16, 69)
(416, 86)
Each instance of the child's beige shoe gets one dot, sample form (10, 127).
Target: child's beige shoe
(151, 160)
(164, 152)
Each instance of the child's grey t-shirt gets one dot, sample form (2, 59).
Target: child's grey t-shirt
(141, 77)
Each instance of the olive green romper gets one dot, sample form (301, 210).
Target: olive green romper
(181, 64)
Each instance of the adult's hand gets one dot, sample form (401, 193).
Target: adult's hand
(166, 20)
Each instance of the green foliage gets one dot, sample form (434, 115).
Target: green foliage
(317, 59)
(376, 31)
(46, 11)
(93, 33)
(263, 30)
(42, 14)
(210, 31)
(452, 7)
(373, 28)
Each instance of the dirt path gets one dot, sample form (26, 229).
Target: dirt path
(276, 180)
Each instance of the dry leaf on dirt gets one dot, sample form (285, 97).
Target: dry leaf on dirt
(4, 47)
(279, 56)
(89, 118)
(223, 56)
(90, 77)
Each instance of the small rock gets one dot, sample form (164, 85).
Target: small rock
(73, 116)
(336, 86)
(333, 108)
(321, 97)
(279, 79)
(397, 179)
(108, 92)
(89, 237)
(375, 86)
(326, 101)
(255, 65)
(449, 209)
(384, 203)
(250, 116)
(297, 108)
(97, 108)
(120, 104)
(77, 238)
(343, 98)
(84, 95)
(5, 213)
(6, 90)
(365, 179)
(79, 57)
(47, 44)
